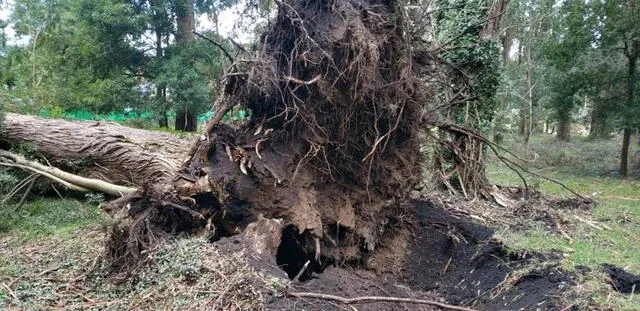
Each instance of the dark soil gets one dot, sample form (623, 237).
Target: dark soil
(351, 283)
(462, 262)
(444, 258)
(622, 280)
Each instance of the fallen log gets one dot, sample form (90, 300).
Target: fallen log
(99, 150)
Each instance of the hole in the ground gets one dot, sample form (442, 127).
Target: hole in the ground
(295, 250)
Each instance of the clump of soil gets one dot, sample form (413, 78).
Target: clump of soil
(622, 280)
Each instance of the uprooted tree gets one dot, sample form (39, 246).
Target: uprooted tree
(331, 145)
(337, 92)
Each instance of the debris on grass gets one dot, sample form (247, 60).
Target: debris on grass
(188, 273)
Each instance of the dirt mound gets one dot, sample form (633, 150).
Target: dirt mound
(461, 261)
(622, 280)
(444, 257)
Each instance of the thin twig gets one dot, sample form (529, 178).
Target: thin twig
(26, 193)
(11, 292)
(366, 299)
(295, 279)
(216, 44)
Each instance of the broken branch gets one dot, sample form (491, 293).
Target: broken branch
(71, 181)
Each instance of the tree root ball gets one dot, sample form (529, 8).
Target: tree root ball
(332, 146)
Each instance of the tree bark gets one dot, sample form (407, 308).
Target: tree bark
(491, 27)
(97, 149)
(186, 121)
(186, 24)
(564, 125)
(632, 56)
(624, 155)
(161, 89)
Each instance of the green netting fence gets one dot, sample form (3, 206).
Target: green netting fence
(123, 116)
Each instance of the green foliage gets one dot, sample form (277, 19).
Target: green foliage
(190, 72)
(104, 56)
(7, 181)
(93, 198)
(474, 62)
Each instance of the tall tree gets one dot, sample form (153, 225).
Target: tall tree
(572, 36)
(186, 119)
(621, 34)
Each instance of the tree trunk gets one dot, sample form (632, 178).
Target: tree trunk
(186, 22)
(491, 27)
(96, 149)
(530, 98)
(522, 123)
(624, 155)
(564, 125)
(161, 89)
(507, 41)
(186, 119)
(632, 56)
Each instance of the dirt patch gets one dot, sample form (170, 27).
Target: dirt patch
(442, 257)
(460, 260)
(536, 290)
(622, 280)
(351, 283)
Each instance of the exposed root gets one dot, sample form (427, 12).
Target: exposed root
(331, 147)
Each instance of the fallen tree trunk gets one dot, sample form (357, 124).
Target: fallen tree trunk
(100, 150)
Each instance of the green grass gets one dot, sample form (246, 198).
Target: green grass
(617, 212)
(47, 216)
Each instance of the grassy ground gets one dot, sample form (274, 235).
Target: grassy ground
(610, 233)
(51, 258)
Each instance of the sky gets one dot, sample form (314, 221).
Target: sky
(5, 11)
